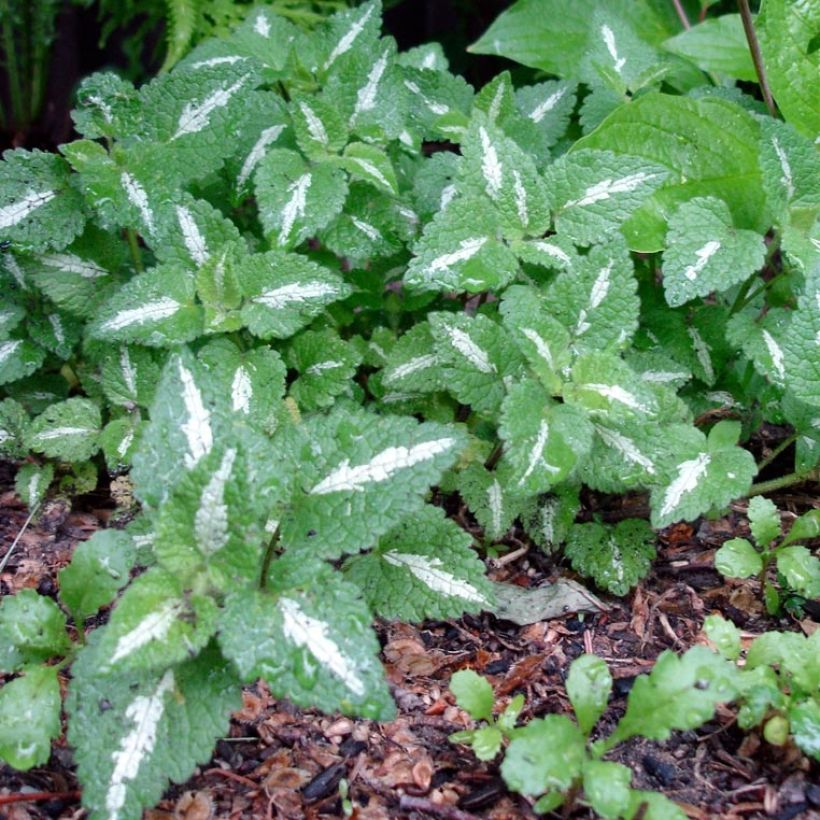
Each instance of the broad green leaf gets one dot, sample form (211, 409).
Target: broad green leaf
(135, 733)
(804, 722)
(616, 557)
(491, 498)
(589, 685)
(434, 186)
(423, 568)
(370, 164)
(547, 519)
(653, 806)
(594, 192)
(801, 345)
(39, 209)
(32, 482)
(555, 253)
(548, 106)
(761, 339)
(360, 475)
(717, 44)
(543, 440)
(519, 33)
(129, 376)
(473, 693)
(156, 308)
(314, 646)
(764, 520)
(412, 365)
(596, 300)
(156, 623)
(725, 164)
(214, 519)
(19, 358)
(284, 292)
(547, 753)
(13, 424)
(737, 558)
(801, 570)
(459, 250)
(705, 253)
(486, 742)
(218, 288)
(705, 475)
(118, 440)
(57, 332)
(99, 568)
(439, 103)
(30, 717)
(493, 166)
(326, 366)
(623, 456)
(68, 431)
(476, 355)
(788, 41)
(679, 693)
(106, 106)
(606, 787)
(296, 199)
(806, 528)
(181, 431)
(349, 31)
(318, 125)
(724, 635)
(32, 628)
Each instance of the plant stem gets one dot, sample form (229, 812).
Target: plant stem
(757, 57)
(763, 487)
(682, 14)
(268, 558)
(777, 451)
(135, 248)
(494, 456)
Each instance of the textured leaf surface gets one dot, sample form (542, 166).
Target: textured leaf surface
(424, 568)
(473, 693)
(32, 628)
(19, 358)
(491, 497)
(32, 482)
(313, 645)
(360, 474)
(326, 366)
(68, 430)
(717, 44)
(705, 253)
(589, 684)
(801, 347)
(133, 734)
(29, 717)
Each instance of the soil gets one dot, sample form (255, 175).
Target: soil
(279, 761)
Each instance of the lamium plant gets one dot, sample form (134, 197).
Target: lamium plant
(308, 291)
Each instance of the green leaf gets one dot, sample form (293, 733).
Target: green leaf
(589, 685)
(679, 693)
(486, 742)
(595, 192)
(314, 646)
(359, 475)
(326, 366)
(615, 557)
(319, 127)
(653, 806)
(106, 106)
(412, 365)
(800, 345)
(39, 208)
(99, 568)
(494, 167)
(704, 475)
(547, 519)
(19, 358)
(491, 498)
(296, 200)
(156, 623)
(156, 308)
(725, 165)
(519, 33)
(473, 693)
(459, 250)
(135, 733)
(543, 440)
(423, 568)
(548, 106)
(32, 482)
(801, 570)
(349, 31)
(717, 44)
(370, 164)
(788, 41)
(606, 786)
(804, 721)
(68, 430)
(32, 628)
(476, 355)
(548, 753)
(805, 528)
(30, 717)
(764, 520)
(129, 376)
(724, 635)
(13, 424)
(705, 253)
(284, 292)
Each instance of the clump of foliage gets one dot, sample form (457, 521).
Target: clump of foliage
(798, 569)
(255, 286)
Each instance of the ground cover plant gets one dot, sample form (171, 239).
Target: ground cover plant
(257, 286)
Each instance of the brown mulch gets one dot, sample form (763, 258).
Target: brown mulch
(284, 762)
